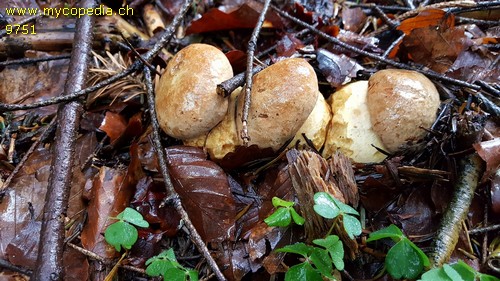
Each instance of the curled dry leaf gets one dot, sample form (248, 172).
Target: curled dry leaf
(337, 69)
(204, 191)
(490, 153)
(113, 125)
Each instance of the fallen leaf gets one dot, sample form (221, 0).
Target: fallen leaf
(204, 191)
(353, 19)
(337, 69)
(113, 125)
(111, 192)
(428, 18)
(436, 48)
(245, 16)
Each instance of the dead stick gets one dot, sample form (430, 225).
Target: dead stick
(358, 51)
(471, 169)
(164, 39)
(49, 265)
(227, 87)
(26, 61)
(248, 74)
(172, 194)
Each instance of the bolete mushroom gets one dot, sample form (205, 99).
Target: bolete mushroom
(224, 138)
(401, 103)
(187, 104)
(283, 95)
(351, 129)
(315, 127)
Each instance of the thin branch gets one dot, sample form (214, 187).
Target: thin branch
(393, 45)
(7, 265)
(49, 265)
(26, 61)
(172, 194)
(348, 47)
(485, 229)
(248, 76)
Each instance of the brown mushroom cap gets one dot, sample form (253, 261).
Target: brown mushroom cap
(351, 130)
(283, 95)
(401, 103)
(186, 102)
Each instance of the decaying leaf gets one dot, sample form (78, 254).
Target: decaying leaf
(428, 18)
(244, 16)
(111, 192)
(337, 69)
(204, 191)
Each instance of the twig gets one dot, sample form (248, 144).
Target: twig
(96, 257)
(384, 17)
(227, 87)
(346, 46)
(480, 230)
(33, 60)
(7, 265)
(393, 45)
(172, 194)
(488, 88)
(248, 74)
(3, 32)
(49, 265)
(446, 238)
(164, 39)
(20, 165)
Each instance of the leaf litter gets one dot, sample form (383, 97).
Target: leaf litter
(227, 200)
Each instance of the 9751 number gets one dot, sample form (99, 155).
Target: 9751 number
(20, 29)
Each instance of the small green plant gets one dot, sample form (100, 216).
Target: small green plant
(459, 271)
(123, 233)
(327, 254)
(317, 260)
(165, 264)
(329, 207)
(284, 214)
(404, 260)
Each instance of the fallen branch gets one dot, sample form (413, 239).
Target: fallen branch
(249, 73)
(172, 194)
(49, 265)
(471, 169)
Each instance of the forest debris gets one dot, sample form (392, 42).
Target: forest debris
(245, 16)
(204, 190)
(152, 18)
(471, 169)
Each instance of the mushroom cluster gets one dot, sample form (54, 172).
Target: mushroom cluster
(360, 120)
